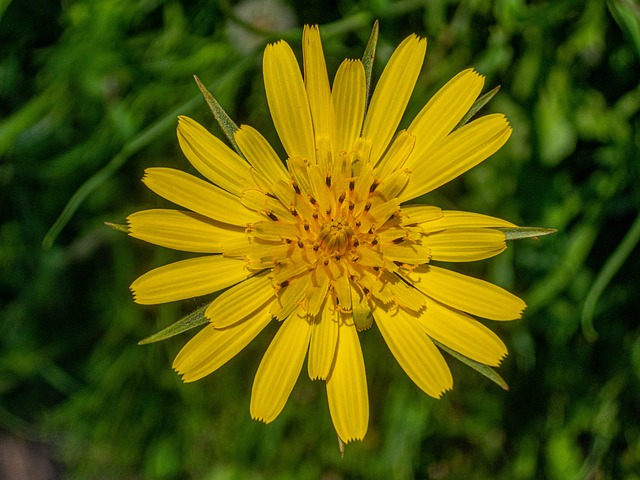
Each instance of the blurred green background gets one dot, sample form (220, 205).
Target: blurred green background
(89, 94)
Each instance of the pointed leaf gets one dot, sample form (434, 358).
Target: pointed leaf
(479, 103)
(481, 368)
(117, 226)
(517, 233)
(227, 125)
(193, 320)
(369, 56)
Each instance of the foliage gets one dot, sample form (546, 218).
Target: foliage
(89, 94)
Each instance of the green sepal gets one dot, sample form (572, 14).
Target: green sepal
(227, 125)
(481, 368)
(517, 233)
(193, 320)
(118, 227)
(362, 318)
(369, 56)
(478, 104)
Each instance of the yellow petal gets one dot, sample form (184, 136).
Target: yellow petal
(324, 339)
(317, 291)
(197, 195)
(465, 293)
(288, 100)
(392, 94)
(316, 81)
(463, 149)
(414, 351)
(260, 154)
(290, 297)
(444, 111)
(211, 347)
(280, 368)
(212, 158)
(409, 253)
(396, 155)
(457, 219)
(240, 301)
(188, 278)
(179, 230)
(347, 387)
(415, 214)
(403, 294)
(462, 334)
(464, 245)
(349, 91)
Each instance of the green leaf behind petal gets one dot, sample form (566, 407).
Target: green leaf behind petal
(485, 370)
(517, 233)
(193, 320)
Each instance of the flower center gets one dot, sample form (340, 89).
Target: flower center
(335, 236)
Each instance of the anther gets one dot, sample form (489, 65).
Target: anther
(373, 187)
(272, 216)
(296, 188)
(300, 244)
(341, 197)
(327, 180)
(356, 242)
(352, 184)
(367, 206)
(284, 284)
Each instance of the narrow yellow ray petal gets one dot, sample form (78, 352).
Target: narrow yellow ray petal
(347, 387)
(462, 334)
(212, 158)
(392, 94)
(317, 291)
(180, 230)
(396, 155)
(288, 100)
(291, 297)
(240, 301)
(324, 339)
(415, 214)
(457, 219)
(211, 347)
(260, 154)
(443, 112)
(349, 91)
(414, 351)
(266, 205)
(197, 195)
(463, 149)
(280, 368)
(409, 253)
(188, 278)
(403, 294)
(465, 293)
(464, 245)
(316, 81)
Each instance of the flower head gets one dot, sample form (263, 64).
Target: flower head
(323, 243)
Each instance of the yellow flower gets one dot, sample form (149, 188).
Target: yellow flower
(324, 245)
